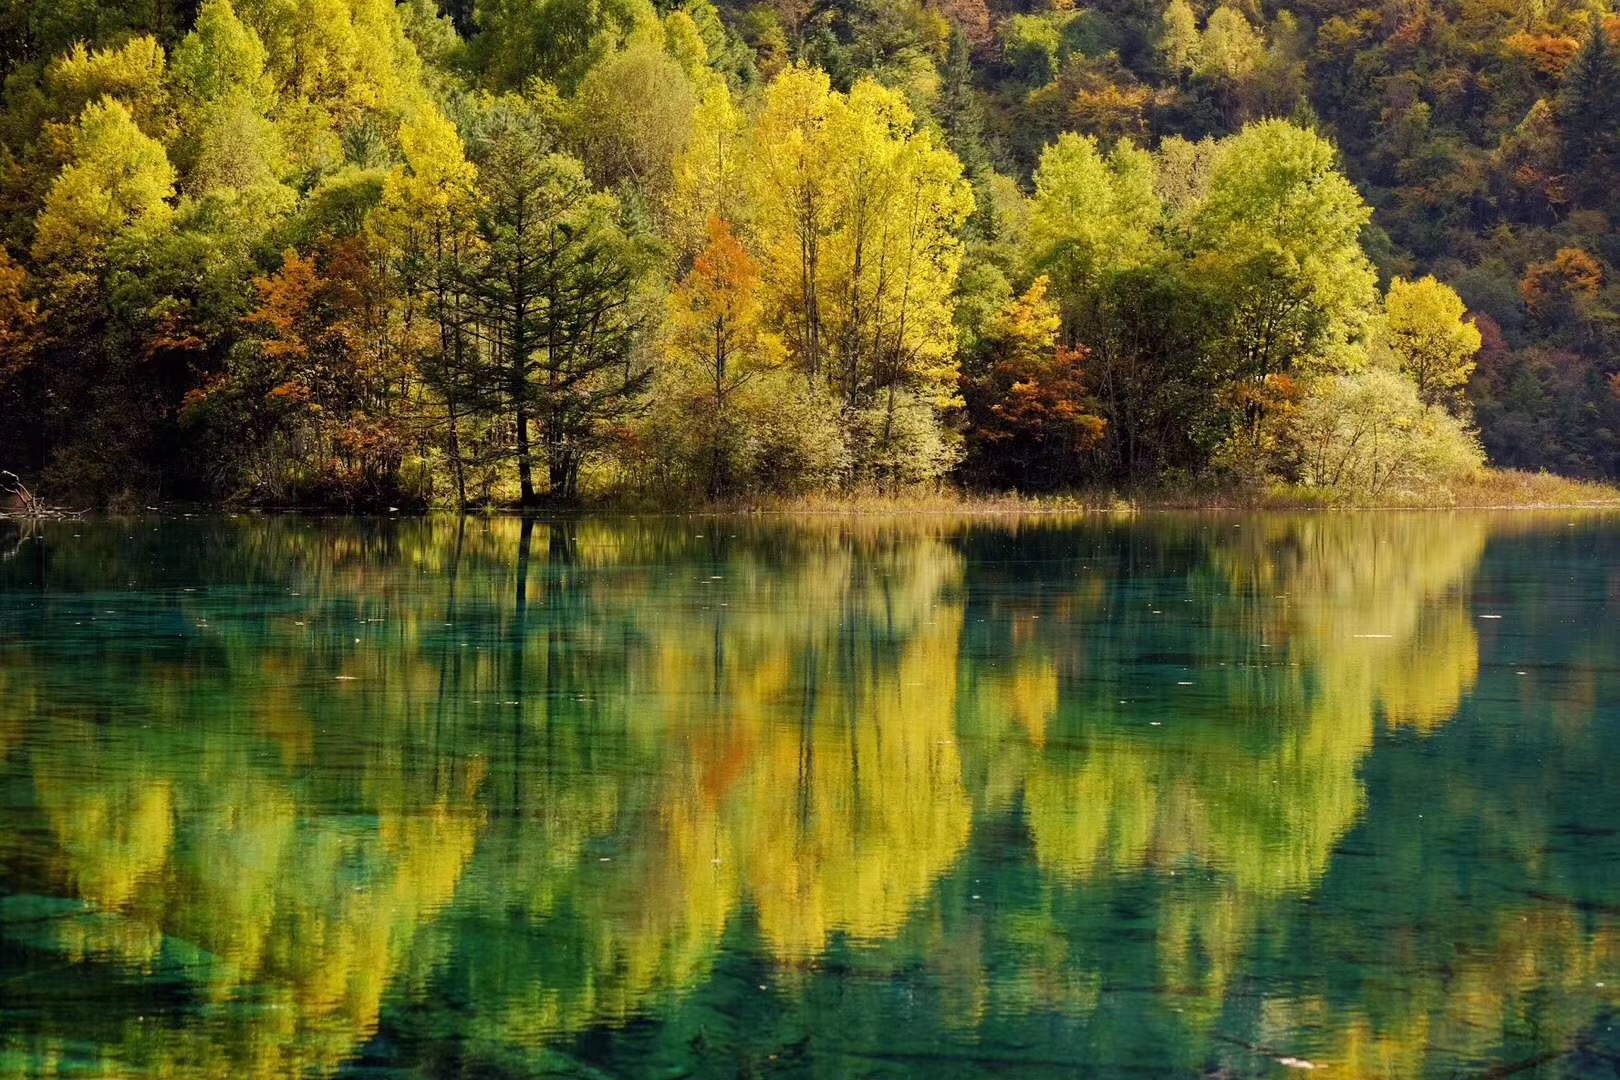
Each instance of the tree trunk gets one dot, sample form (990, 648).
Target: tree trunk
(719, 467)
(456, 465)
(525, 460)
(564, 473)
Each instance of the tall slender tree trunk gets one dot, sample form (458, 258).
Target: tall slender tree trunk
(720, 467)
(456, 465)
(525, 459)
(810, 255)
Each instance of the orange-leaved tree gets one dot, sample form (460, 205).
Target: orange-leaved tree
(1032, 414)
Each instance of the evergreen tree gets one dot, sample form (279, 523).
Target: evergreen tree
(557, 291)
(1590, 112)
(960, 114)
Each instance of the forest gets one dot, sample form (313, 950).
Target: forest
(354, 253)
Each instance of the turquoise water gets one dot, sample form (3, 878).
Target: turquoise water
(1157, 796)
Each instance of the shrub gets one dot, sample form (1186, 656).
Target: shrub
(1368, 434)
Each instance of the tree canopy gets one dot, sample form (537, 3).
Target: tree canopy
(352, 252)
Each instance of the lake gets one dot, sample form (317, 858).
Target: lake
(1164, 795)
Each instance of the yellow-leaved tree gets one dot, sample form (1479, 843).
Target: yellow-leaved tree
(859, 217)
(709, 180)
(720, 347)
(117, 178)
(1430, 341)
(426, 224)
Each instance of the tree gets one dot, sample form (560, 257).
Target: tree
(633, 117)
(226, 96)
(428, 218)
(33, 32)
(902, 205)
(793, 198)
(1432, 345)
(343, 72)
(1093, 214)
(1031, 414)
(1029, 46)
(134, 74)
(859, 219)
(309, 398)
(117, 178)
(308, 348)
(1231, 48)
(710, 175)
(960, 113)
(719, 339)
(105, 211)
(969, 19)
(222, 56)
(1180, 45)
(1367, 433)
(1560, 287)
(1182, 172)
(556, 40)
(1279, 233)
(21, 331)
(1157, 371)
(557, 292)
(19, 319)
(1589, 111)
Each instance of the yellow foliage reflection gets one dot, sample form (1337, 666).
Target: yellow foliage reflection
(554, 770)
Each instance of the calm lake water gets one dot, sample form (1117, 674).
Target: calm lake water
(1162, 796)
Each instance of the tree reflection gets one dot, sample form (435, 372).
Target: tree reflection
(490, 784)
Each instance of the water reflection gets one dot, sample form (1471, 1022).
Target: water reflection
(515, 796)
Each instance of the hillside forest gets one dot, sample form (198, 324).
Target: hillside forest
(356, 253)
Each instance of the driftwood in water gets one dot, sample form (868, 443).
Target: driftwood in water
(17, 501)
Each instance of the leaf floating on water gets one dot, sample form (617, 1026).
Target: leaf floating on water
(1490, 616)
(344, 678)
(1297, 1063)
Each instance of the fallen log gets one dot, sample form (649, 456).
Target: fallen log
(18, 502)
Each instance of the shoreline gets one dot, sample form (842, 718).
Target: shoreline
(1498, 491)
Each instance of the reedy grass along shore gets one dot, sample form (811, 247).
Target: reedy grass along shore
(1490, 489)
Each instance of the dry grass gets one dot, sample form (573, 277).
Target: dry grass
(1511, 488)
(1489, 489)
(939, 501)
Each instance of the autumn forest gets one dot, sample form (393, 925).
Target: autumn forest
(356, 254)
